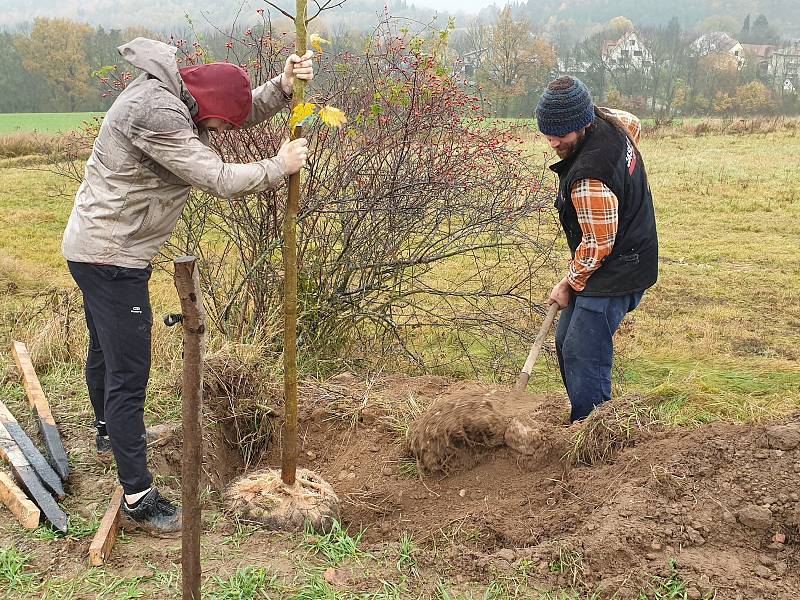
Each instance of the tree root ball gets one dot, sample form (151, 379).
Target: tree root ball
(470, 421)
(263, 498)
(457, 428)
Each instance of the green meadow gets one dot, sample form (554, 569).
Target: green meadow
(43, 122)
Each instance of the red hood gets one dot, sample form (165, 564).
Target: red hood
(221, 90)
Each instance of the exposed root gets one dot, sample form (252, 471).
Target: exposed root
(263, 498)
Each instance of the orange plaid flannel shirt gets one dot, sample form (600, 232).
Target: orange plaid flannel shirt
(598, 215)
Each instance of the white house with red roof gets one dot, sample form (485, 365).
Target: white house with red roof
(626, 52)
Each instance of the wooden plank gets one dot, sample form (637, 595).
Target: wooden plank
(44, 417)
(43, 469)
(187, 283)
(17, 502)
(26, 476)
(103, 541)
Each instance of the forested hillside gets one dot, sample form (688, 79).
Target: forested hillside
(581, 14)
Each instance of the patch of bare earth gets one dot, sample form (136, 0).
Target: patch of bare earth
(720, 499)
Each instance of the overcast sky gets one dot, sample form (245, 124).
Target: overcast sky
(472, 6)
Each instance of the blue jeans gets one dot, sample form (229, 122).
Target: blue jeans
(585, 347)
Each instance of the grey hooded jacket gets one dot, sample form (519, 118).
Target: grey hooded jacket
(147, 157)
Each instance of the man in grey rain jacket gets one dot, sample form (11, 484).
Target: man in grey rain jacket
(152, 148)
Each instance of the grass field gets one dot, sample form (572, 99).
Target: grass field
(717, 338)
(43, 122)
(62, 122)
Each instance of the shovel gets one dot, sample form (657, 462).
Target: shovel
(525, 374)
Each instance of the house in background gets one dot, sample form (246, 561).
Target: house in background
(784, 68)
(760, 55)
(626, 52)
(718, 42)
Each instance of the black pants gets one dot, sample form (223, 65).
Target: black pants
(118, 314)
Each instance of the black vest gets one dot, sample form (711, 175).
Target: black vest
(608, 155)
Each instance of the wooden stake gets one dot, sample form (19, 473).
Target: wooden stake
(44, 417)
(187, 282)
(289, 448)
(17, 502)
(43, 469)
(27, 478)
(103, 541)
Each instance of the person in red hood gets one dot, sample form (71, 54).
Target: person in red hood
(152, 149)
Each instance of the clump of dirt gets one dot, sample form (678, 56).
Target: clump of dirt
(457, 429)
(534, 438)
(466, 422)
(263, 498)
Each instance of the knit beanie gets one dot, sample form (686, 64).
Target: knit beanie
(221, 90)
(565, 106)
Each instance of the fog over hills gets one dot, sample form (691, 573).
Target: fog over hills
(164, 15)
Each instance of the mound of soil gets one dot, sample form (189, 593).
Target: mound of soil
(720, 503)
(721, 499)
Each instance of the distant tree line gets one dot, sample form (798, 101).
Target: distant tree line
(49, 68)
(59, 65)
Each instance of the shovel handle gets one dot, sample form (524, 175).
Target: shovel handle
(525, 375)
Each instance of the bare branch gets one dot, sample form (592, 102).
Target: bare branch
(280, 10)
(422, 218)
(326, 6)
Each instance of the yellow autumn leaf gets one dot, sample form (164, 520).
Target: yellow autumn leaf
(332, 117)
(300, 113)
(317, 41)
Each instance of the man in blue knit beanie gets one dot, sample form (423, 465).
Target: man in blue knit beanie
(606, 210)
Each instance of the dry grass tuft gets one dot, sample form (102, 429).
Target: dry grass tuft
(241, 388)
(13, 145)
(611, 427)
(52, 326)
(343, 397)
(233, 371)
(401, 414)
(569, 564)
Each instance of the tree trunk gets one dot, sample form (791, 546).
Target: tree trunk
(289, 450)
